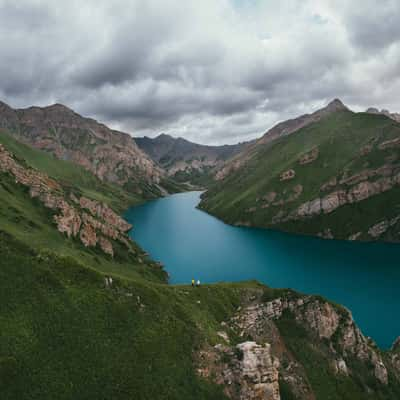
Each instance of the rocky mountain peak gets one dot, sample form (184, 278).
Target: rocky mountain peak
(164, 136)
(335, 105)
(59, 108)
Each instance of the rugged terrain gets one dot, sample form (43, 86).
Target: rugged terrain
(334, 173)
(84, 312)
(77, 216)
(186, 161)
(283, 345)
(111, 155)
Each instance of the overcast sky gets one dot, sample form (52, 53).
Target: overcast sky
(212, 71)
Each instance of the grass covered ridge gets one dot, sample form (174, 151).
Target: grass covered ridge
(340, 138)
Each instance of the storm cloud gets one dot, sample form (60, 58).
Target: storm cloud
(212, 71)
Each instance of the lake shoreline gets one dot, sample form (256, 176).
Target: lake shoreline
(192, 244)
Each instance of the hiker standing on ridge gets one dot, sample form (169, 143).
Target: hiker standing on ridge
(198, 282)
(192, 282)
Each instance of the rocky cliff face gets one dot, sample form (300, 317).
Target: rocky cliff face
(94, 223)
(350, 190)
(111, 155)
(257, 358)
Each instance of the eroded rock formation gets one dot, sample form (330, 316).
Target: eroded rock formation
(100, 226)
(257, 367)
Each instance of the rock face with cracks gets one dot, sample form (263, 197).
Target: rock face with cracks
(94, 223)
(255, 358)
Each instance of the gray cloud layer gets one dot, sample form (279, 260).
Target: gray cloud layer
(211, 71)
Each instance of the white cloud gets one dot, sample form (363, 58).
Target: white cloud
(211, 71)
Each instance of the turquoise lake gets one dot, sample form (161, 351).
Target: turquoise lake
(192, 244)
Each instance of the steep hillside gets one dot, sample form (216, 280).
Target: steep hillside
(337, 177)
(187, 161)
(58, 216)
(80, 321)
(110, 155)
(282, 129)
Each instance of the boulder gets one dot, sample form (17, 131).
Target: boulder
(287, 175)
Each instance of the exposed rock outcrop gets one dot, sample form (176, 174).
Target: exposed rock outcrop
(287, 175)
(309, 157)
(356, 192)
(98, 227)
(325, 321)
(251, 372)
(255, 368)
(388, 144)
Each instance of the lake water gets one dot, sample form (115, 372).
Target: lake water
(192, 244)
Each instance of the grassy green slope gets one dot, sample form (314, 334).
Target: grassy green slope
(64, 335)
(339, 138)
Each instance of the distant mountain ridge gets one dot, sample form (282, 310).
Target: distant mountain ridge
(182, 158)
(109, 154)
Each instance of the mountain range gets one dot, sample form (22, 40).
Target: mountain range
(110, 155)
(86, 313)
(187, 161)
(332, 173)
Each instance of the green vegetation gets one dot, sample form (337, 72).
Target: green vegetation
(65, 335)
(202, 178)
(340, 138)
(67, 332)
